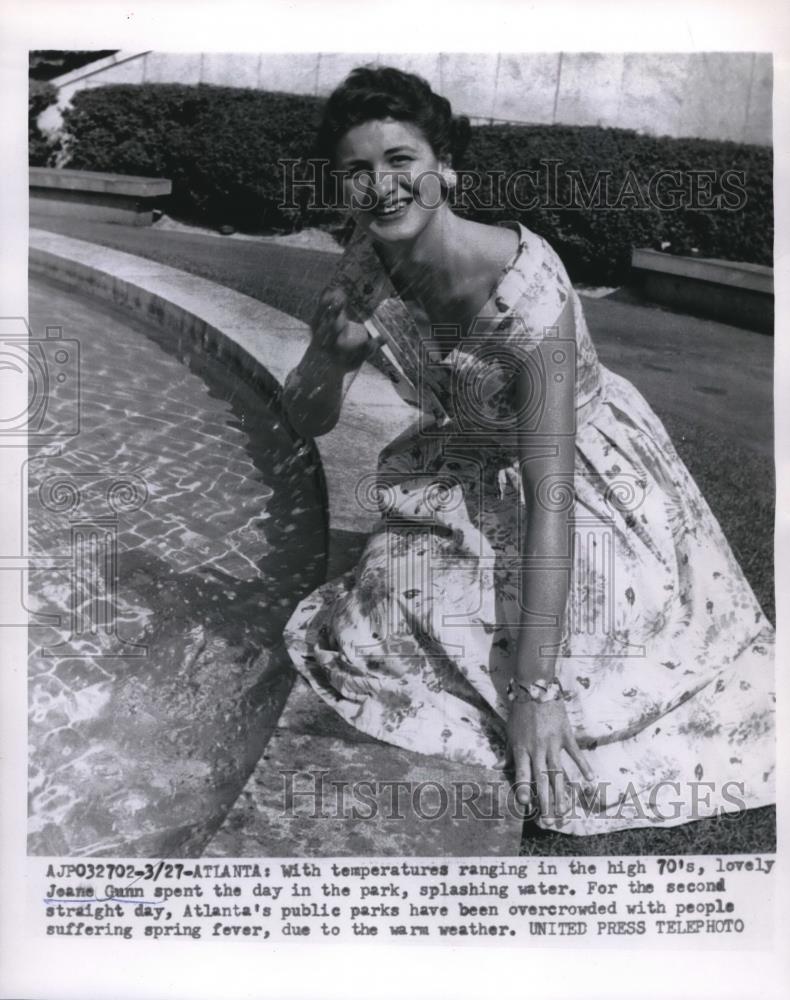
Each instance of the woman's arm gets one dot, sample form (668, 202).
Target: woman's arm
(545, 476)
(313, 392)
(539, 730)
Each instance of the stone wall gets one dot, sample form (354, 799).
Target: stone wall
(710, 95)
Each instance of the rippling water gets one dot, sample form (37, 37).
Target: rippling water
(184, 504)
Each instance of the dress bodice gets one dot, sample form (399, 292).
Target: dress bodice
(516, 326)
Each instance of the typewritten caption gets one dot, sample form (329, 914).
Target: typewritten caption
(682, 900)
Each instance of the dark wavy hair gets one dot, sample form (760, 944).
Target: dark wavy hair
(371, 93)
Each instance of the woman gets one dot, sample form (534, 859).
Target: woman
(547, 577)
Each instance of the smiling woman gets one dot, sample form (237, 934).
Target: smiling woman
(547, 578)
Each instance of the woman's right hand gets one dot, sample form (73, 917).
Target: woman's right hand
(345, 344)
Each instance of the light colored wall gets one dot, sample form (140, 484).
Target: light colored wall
(707, 95)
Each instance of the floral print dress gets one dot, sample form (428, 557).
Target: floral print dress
(666, 661)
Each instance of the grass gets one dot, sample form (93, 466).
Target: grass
(749, 832)
(738, 486)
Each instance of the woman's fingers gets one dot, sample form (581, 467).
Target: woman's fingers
(547, 778)
(559, 786)
(332, 300)
(332, 325)
(538, 735)
(543, 782)
(573, 751)
(523, 765)
(329, 319)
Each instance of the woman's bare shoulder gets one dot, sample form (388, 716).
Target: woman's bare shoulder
(492, 243)
(490, 251)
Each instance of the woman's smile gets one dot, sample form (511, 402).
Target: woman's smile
(392, 210)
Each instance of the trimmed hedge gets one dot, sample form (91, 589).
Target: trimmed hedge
(221, 147)
(40, 96)
(731, 183)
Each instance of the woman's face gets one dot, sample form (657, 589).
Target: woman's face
(391, 179)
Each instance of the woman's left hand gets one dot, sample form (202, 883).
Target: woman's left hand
(539, 733)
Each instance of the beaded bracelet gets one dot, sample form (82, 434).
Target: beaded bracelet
(539, 691)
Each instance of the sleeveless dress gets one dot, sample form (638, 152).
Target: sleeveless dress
(666, 661)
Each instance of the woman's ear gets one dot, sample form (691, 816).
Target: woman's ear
(444, 162)
(448, 175)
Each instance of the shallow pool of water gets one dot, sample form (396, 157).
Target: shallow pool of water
(189, 524)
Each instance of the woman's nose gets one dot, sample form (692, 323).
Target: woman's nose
(384, 183)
